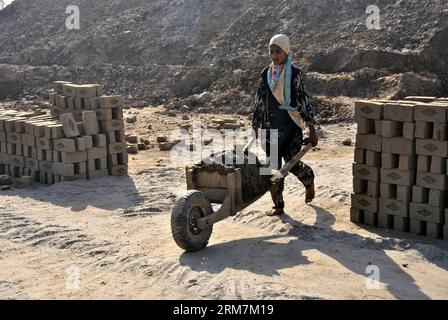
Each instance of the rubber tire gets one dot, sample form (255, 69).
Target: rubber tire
(180, 229)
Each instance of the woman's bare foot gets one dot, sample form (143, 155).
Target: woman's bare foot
(310, 194)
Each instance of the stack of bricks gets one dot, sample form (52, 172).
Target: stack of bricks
(83, 138)
(400, 177)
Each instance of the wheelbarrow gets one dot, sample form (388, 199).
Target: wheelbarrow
(192, 217)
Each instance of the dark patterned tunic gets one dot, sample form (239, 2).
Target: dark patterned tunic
(268, 115)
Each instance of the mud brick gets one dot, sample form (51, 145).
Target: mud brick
(408, 130)
(96, 164)
(390, 129)
(401, 223)
(65, 145)
(88, 140)
(17, 161)
(360, 156)
(407, 162)
(120, 170)
(80, 168)
(365, 126)
(70, 103)
(23, 182)
(356, 215)
(440, 131)
(121, 147)
(397, 176)
(368, 109)
(86, 90)
(431, 180)
(423, 130)
(107, 102)
(112, 125)
(2, 136)
(14, 137)
(28, 140)
(32, 164)
(51, 96)
(385, 221)
(398, 146)
(95, 103)
(86, 103)
(44, 143)
(99, 140)
(117, 113)
(57, 131)
(118, 159)
(63, 104)
(115, 136)
(438, 165)
(394, 207)
(366, 172)
(368, 142)
(378, 128)
(97, 174)
(445, 232)
(104, 114)
(388, 191)
(96, 153)
(90, 122)
(58, 86)
(373, 189)
(79, 103)
(14, 149)
(69, 89)
(39, 129)
(425, 212)
(69, 125)
(373, 158)
(15, 171)
(80, 144)
(74, 157)
(404, 193)
(64, 169)
(371, 218)
(423, 163)
(10, 125)
(364, 202)
(434, 230)
(397, 112)
(3, 147)
(46, 166)
(19, 126)
(432, 148)
(429, 112)
(359, 185)
(80, 126)
(41, 155)
(4, 158)
(437, 198)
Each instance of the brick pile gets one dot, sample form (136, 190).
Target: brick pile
(82, 138)
(400, 176)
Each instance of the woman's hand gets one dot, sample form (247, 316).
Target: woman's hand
(313, 136)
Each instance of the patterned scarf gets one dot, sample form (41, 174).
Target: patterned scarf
(280, 83)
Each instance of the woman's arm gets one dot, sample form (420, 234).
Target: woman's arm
(257, 117)
(304, 99)
(307, 109)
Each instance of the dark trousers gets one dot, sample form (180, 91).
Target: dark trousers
(289, 144)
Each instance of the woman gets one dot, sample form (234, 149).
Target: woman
(283, 104)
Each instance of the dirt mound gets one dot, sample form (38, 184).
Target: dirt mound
(163, 49)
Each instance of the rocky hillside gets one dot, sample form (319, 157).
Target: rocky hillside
(161, 49)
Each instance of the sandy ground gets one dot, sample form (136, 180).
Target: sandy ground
(115, 234)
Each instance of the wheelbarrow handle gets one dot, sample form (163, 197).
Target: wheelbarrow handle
(284, 171)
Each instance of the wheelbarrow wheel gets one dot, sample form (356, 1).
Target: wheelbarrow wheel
(187, 210)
